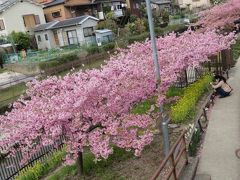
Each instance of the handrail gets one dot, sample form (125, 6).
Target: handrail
(174, 162)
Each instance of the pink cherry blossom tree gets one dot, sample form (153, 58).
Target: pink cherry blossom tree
(221, 16)
(92, 108)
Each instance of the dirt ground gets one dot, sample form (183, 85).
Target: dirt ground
(141, 168)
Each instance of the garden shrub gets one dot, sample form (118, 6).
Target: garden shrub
(58, 61)
(139, 38)
(132, 18)
(40, 169)
(108, 46)
(92, 49)
(185, 107)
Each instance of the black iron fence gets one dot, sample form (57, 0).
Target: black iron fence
(10, 166)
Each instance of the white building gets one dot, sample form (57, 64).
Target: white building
(19, 15)
(78, 30)
(192, 4)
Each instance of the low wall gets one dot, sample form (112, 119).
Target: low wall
(27, 69)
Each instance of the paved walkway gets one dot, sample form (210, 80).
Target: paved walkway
(223, 135)
(8, 79)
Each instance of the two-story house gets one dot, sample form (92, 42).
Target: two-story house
(19, 15)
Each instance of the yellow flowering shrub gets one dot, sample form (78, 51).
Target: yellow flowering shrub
(185, 107)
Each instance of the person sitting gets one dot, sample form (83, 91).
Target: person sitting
(221, 86)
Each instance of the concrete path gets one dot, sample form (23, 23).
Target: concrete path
(8, 79)
(223, 135)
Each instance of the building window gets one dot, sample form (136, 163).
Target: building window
(46, 37)
(72, 37)
(2, 27)
(119, 6)
(37, 19)
(107, 38)
(56, 14)
(39, 38)
(88, 31)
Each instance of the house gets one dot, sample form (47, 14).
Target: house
(193, 4)
(19, 15)
(64, 9)
(162, 5)
(78, 30)
(135, 5)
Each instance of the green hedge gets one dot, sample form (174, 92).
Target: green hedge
(185, 107)
(58, 61)
(138, 38)
(39, 169)
(170, 28)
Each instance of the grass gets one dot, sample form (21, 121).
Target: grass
(38, 170)
(99, 169)
(2, 70)
(10, 94)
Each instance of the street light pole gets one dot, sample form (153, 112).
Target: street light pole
(165, 122)
(153, 40)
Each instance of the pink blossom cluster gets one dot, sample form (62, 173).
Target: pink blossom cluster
(221, 16)
(92, 108)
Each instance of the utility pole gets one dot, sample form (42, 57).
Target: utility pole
(165, 121)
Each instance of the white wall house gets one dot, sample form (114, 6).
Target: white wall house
(192, 4)
(19, 15)
(78, 30)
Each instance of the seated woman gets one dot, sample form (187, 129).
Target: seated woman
(221, 86)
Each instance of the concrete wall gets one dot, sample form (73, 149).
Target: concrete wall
(13, 16)
(45, 44)
(65, 13)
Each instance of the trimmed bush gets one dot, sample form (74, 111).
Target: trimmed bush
(185, 107)
(39, 169)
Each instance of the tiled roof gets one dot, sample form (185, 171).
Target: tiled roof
(42, 27)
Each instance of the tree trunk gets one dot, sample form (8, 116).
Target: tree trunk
(80, 164)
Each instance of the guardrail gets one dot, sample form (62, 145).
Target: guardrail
(174, 162)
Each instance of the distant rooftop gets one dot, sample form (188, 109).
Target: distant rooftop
(65, 23)
(53, 3)
(5, 4)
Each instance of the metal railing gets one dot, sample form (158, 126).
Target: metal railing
(10, 166)
(174, 162)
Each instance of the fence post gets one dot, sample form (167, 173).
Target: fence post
(174, 167)
(205, 114)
